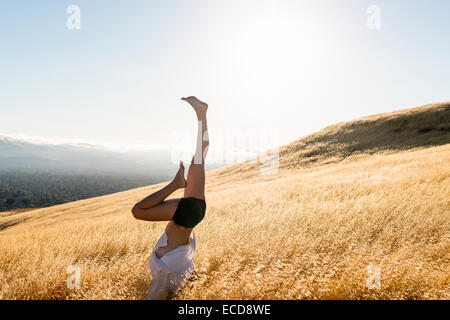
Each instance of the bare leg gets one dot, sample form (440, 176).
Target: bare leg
(196, 175)
(154, 208)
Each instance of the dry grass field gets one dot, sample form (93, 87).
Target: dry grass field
(369, 192)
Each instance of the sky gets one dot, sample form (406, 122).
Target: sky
(270, 71)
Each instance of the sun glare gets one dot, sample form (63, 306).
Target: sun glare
(273, 51)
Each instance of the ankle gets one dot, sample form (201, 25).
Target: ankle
(201, 116)
(174, 185)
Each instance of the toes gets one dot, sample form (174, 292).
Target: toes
(189, 98)
(181, 166)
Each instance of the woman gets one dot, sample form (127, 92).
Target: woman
(171, 261)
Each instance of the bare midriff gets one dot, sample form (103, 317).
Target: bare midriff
(176, 236)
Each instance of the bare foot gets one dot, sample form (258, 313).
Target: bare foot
(179, 179)
(200, 107)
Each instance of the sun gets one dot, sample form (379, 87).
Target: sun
(272, 49)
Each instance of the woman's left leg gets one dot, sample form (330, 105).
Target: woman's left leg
(196, 174)
(154, 208)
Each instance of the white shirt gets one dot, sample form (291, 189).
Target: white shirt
(172, 271)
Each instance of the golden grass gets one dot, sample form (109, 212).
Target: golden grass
(304, 233)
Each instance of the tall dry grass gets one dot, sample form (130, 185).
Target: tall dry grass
(304, 233)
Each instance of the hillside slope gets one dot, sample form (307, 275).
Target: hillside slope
(419, 127)
(308, 232)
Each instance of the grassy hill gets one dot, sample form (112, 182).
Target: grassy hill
(370, 192)
(382, 133)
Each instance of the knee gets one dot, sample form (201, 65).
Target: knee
(135, 211)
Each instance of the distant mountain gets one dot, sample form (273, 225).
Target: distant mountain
(81, 158)
(38, 173)
(35, 172)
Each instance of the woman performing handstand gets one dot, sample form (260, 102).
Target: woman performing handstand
(171, 261)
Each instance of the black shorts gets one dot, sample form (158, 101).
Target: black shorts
(189, 212)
